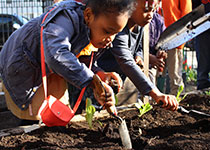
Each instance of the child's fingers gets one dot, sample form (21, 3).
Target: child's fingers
(172, 103)
(117, 77)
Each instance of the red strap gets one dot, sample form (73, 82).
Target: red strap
(44, 77)
(83, 90)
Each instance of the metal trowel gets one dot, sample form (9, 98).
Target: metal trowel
(123, 130)
(190, 112)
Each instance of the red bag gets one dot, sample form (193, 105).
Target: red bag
(54, 113)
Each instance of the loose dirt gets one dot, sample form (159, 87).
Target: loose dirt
(158, 129)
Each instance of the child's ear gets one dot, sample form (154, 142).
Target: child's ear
(88, 16)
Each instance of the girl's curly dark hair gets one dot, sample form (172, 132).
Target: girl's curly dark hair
(112, 6)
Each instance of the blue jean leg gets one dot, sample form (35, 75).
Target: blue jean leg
(202, 46)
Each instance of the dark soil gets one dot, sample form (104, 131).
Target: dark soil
(161, 130)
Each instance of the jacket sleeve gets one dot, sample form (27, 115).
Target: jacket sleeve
(125, 59)
(58, 36)
(86, 60)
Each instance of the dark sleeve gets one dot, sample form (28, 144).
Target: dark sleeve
(86, 60)
(125, 59)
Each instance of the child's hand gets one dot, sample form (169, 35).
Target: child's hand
(103, 94)
(111, 78)
(156, 62)
(139, 62)
(169, 101)
(161, 54)
(109, 99)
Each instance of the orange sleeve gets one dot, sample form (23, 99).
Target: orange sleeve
(173, 10)
(185, 7)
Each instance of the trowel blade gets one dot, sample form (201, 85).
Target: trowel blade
(185, 29)
(192, 112)
(124, 135)
(200, 113)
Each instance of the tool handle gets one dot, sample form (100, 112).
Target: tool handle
(112, 110)
(101, 88)
(201, 20)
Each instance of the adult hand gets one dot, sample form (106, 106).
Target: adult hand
(111, 78)
(169, 101)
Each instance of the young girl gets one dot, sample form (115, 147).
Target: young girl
(67, 29)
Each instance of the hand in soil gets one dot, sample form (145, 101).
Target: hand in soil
(169, 102)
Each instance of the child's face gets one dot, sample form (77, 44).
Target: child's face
(104, 27)
(142, 15)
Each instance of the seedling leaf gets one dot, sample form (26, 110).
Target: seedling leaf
(144, 109)
(116, 99)
(207, 93)
(90, 110)
(180, 90)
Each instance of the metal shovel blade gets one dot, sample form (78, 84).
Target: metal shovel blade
(185, 29)
(124, 135)
(192, 112)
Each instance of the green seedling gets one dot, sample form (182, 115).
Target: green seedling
(178, 97)
(90, 110)
(144, 109)
(207, 93)
(116, 99)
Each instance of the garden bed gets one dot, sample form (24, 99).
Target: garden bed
(158, 129)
